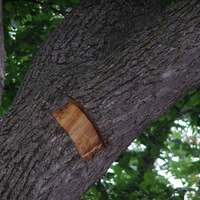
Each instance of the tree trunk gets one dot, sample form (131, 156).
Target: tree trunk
(126, 65)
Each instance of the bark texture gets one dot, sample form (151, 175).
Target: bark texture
(126, 66)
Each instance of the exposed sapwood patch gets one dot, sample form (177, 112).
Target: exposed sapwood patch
(81, 127)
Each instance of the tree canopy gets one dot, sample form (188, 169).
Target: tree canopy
(26, 25)
(172, 139)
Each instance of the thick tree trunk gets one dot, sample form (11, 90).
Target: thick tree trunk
(126, 66)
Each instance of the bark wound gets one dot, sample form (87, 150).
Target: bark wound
(81, 127)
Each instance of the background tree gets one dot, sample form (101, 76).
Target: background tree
(134, 172)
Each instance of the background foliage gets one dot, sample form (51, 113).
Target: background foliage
(26, 25)
(170, 145)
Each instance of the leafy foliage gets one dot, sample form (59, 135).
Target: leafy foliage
(26, 25)
(170, 2)
(165, 146)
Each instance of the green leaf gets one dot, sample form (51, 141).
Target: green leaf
(117, 169)
(9, 6)
(149, 176)
(124, 160)
(131, 171)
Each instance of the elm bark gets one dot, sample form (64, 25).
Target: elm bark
(127, 67)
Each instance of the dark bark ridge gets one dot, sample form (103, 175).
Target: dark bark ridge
(126, 72)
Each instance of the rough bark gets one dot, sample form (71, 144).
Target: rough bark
(126, 69)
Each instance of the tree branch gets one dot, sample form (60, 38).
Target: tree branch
(54, 9)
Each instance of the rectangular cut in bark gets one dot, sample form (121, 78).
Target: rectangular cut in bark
(80, 129)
